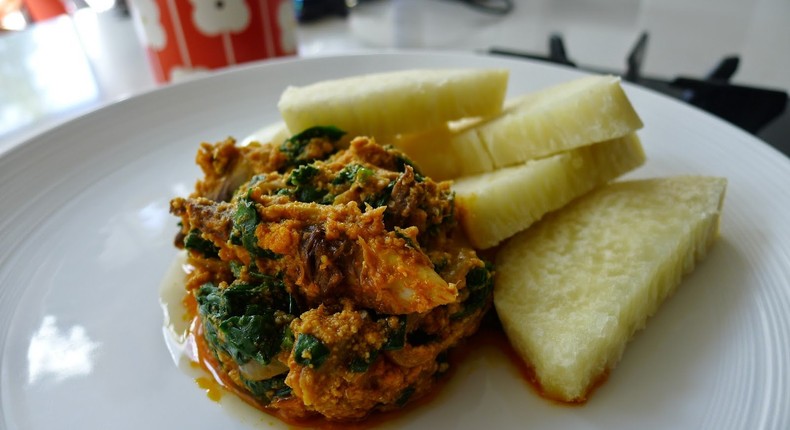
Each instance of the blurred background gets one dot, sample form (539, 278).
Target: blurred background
(62, 58)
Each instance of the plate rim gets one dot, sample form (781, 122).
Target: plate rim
(784, 162)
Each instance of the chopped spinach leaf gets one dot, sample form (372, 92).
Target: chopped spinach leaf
(440, 265)
(381, 198)
(255, 180)
(251, 337)
(283, 392)
(480, 283)
(268, 389)
(240, 319)
(352, 173)
(244, 299)
(409, 242)
(288, 339)
(293, 306)
(329, 132)
(404, 396)
(448, 219)
(293, 148)
(240, 295)
(400, 165)
(257, 275)
(245, 221)
(193, 241)
(212, 337)
(311, 194)
(310, 351)
(302, 175)
(305, 191)
(236, 268)
(397, 339)
(211, 302)
(360, 365)
(477, 278)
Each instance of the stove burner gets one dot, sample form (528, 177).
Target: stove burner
(749, 108)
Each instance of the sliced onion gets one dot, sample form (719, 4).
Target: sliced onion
(254, 371)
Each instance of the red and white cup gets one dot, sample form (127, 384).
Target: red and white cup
(188, 37)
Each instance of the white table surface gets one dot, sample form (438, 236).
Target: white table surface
(58, 69)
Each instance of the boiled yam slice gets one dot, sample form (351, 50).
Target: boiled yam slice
(387, 104)
(574, 288)
(496, 205)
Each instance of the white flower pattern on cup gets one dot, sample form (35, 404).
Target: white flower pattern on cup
(213, 17)
(180, 74)
(286, 19)
(149, 20)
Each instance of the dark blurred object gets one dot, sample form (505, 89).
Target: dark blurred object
(311, 10)
(122, 8)
(635, 59)
(496, 7)
(749, 108)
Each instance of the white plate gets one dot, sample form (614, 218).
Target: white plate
(85, 237)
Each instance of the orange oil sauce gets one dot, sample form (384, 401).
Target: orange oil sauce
(219, 383)
(490, 334)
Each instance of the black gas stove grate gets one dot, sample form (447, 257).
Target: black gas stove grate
(750, 108)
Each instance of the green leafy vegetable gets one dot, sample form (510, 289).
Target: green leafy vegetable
(477, 277)
(268, 389)
(352, 173)
(251, 337)
(257, 275)
(255, 180)
(404, 396)
(382, 197)
(409, 242)
(480, 284)
(311, 194)
(400, 165)
(448, 218)
(360, 365)
(306, 192)
(294, 147)
(240, 319)
(397, 339)
(210, 301)
(302, 175)
(245, 221)
(212, 337)
(193, 241)
(310, 351)
(326, 131)
(293, 306)
(440, 265)
(288, 339)
(236, 268)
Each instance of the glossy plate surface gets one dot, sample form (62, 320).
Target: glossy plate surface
(85, 238)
